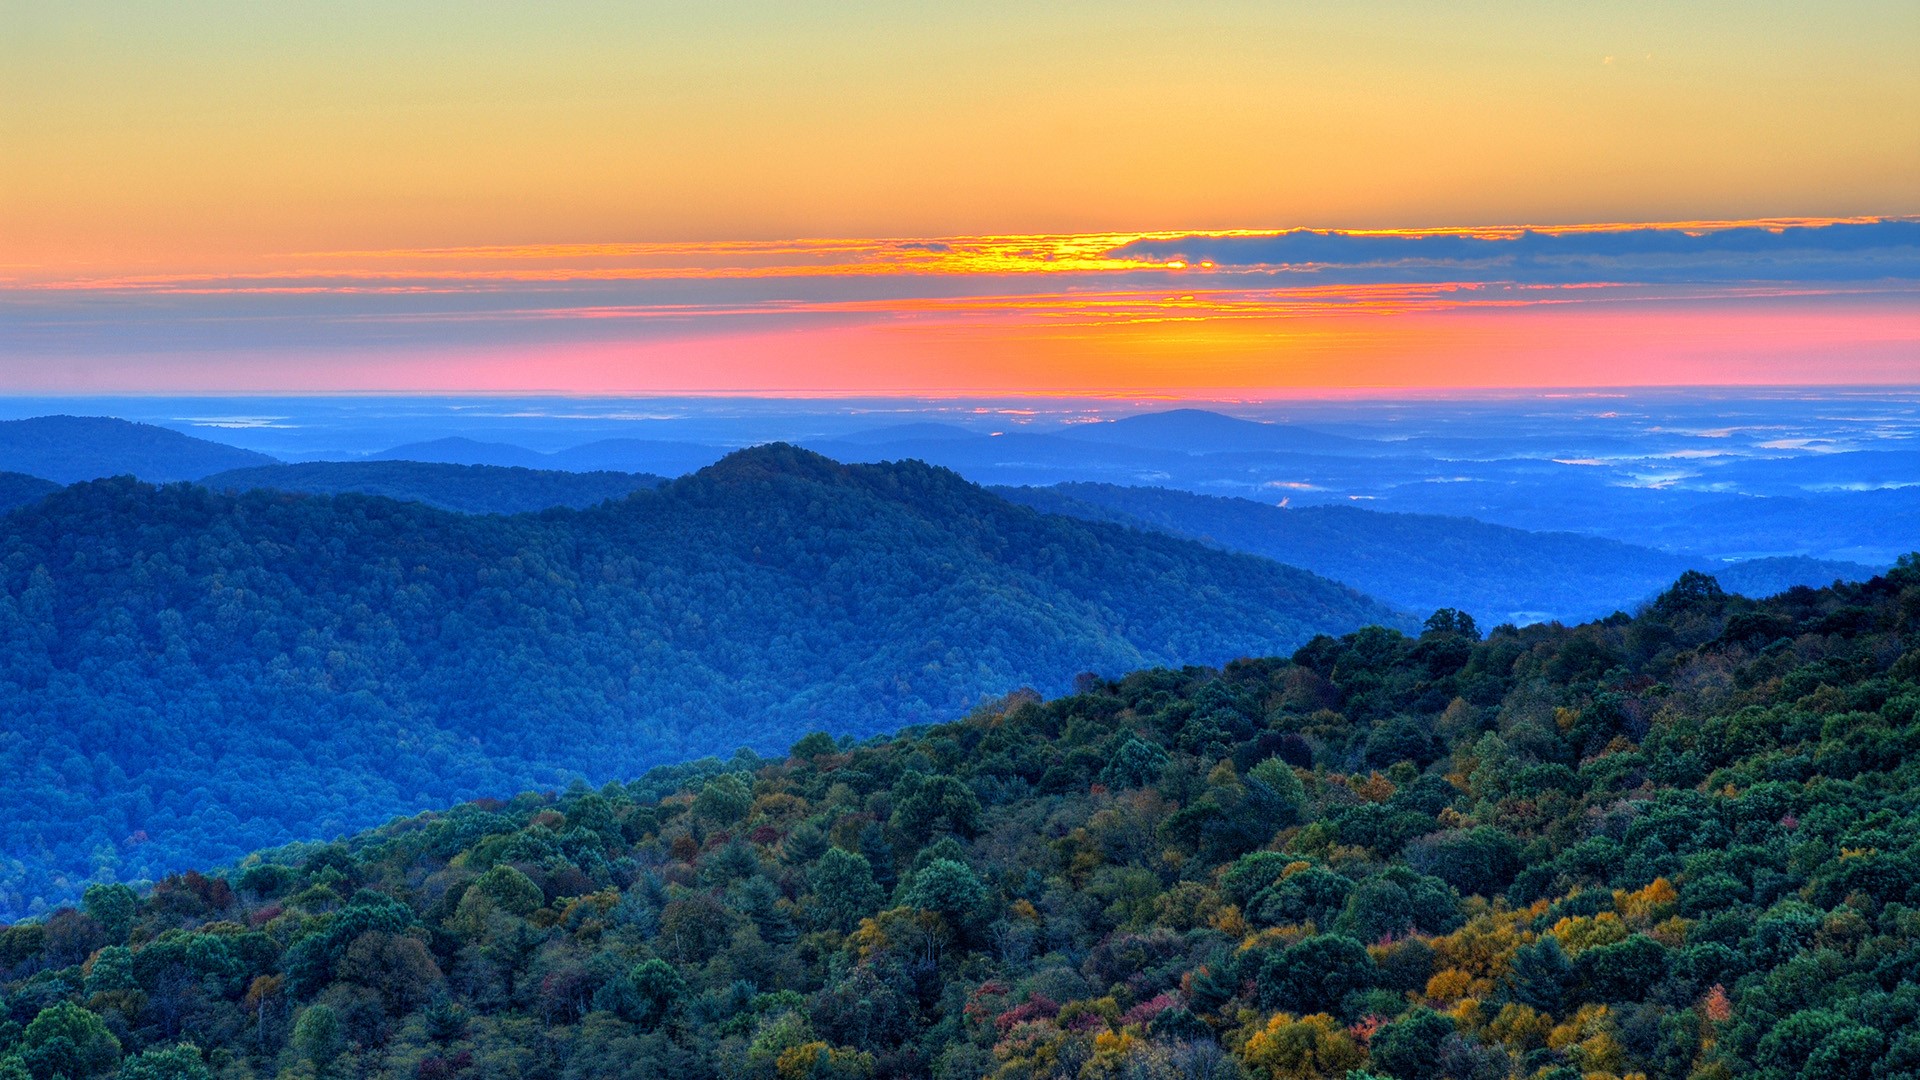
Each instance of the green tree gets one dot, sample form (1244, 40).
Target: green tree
(1691, 592)
(646, 995)
(1623, 971)
(1314, 975)
(1480, 861)
(113, 907)
(1409, 1048)
(1542, 976)
(660, 988)
(927, 805)
(1398, 900)
(1137, 764)
(110, 969)
(950, 889)
(309, 963)
(813, 744)
(1289, 794)
(318, 1036)
(1450, 621)
(1818, 1043)
(1314, 895)
(1403, 738)
(844, 889)
(181, 1061)
(510, 890)
(68, 1031)
(1247, 876)
(724, 800)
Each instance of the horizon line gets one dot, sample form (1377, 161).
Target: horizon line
(1244, 394)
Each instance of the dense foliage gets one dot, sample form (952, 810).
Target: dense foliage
(1425, 561)
(471, 489)
(187, 676)
(19, 489)
(1685, 844)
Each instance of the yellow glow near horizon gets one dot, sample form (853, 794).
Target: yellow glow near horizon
(201, 136)
(472, 194)
(1018, 254)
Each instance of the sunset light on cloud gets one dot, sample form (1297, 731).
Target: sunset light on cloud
(1245, 311)
(875, 199)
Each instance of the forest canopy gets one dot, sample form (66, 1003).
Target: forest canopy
(470, 489)
(1680, 845)
(1425, 561)
(190, 675)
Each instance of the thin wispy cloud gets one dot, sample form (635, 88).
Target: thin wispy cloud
(1237, 302)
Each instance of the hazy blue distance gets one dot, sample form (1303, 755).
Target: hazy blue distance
(1722, 474)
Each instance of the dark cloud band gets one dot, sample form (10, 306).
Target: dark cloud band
(1845, 251)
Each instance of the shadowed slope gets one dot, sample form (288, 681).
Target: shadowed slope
(66, 449)
(471, 489)
(1426, 561)
(163, 649)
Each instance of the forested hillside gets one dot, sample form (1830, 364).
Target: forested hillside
(1426, 561)
(188, 675)
(1685, 844)
(470, 489)
(66, 449)
(668, 457)
(19, 489)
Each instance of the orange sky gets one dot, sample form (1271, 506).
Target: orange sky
(520, 160)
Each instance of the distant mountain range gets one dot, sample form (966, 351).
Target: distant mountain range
(162, 649)
(1851, 507)
(1417, 560)
(471, 489)
(68, 449)
(1199, 431)
(462, 451)
(1423, 562)
(621, 455)
(65, 449)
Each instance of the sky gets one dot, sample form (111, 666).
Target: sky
(1262, 198)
